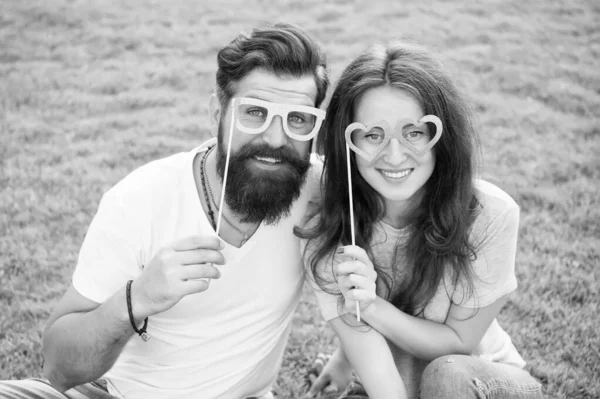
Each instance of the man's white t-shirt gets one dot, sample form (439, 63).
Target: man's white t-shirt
(226, 342)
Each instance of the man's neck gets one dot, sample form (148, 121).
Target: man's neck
(232, 234)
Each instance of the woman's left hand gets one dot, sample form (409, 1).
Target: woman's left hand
(356, 278)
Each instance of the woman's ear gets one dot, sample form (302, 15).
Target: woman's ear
(214, 113)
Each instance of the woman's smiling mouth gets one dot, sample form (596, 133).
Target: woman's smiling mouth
(395, 174)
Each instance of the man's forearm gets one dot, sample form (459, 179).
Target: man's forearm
(364, 350)
(81, 347)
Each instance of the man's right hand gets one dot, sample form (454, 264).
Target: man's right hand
(177, 270)
(333, 374)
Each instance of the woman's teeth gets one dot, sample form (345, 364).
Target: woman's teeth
(396, 175)
(268, 159)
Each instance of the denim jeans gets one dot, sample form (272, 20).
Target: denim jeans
(461, 376)
(469, 377)
(37, 388)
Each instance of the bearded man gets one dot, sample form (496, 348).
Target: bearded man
(160, 306)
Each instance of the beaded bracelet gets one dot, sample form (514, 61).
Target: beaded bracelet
(142, 331)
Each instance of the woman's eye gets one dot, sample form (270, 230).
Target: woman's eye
(374, 137)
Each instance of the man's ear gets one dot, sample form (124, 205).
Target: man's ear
(214, 112)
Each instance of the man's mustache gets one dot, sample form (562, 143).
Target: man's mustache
(283, 154)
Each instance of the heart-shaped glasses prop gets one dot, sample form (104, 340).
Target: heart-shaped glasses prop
(369, 141)
(254, 116)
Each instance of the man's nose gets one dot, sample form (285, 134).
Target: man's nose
(395, 152)
(275, 136)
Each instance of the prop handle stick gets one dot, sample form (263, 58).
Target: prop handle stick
(218, 228)
(351, 200)
(222, 200)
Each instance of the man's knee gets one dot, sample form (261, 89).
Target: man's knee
(446, 377)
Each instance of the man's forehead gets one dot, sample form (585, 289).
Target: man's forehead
(284, 89)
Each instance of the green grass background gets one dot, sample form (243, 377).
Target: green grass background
(90, 90)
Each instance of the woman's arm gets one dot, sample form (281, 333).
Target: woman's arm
(370, 355)
(460, 333)
(427, 339)
(465, 325)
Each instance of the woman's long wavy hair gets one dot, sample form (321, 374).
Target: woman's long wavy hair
(440, 229)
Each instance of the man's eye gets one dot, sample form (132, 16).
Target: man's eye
(296, 119)
(255, 112)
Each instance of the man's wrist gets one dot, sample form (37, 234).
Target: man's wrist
(139, 310)
(141, 331)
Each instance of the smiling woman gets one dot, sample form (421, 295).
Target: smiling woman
(391, 158)
(435, 253)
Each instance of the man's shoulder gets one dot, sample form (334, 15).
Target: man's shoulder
(316, 163)
(314, 176)
(158, 176)
(153, 175)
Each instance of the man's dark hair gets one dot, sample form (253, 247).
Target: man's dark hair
(283, 49)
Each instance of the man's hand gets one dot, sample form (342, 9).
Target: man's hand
(332, 374)
(356, 278)
(177, 270)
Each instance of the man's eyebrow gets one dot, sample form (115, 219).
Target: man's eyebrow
(255, 97)
(258, 97)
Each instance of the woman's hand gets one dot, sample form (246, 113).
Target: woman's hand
(356, 277)
(330, 373)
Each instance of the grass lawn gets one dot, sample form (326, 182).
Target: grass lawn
(90, 90)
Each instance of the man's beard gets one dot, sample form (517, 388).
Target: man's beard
(261, 195)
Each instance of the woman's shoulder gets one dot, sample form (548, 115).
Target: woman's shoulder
(493, 196)
(316, 261)
(493, 200)
(494, 235)
(312, 217)
(497, 209)
(307, 230)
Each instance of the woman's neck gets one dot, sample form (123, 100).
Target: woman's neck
(400, 214)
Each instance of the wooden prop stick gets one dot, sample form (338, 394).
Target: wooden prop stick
(218, 228)
(351, 199)
(222, 200)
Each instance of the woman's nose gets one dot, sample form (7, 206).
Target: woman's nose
(395, 152)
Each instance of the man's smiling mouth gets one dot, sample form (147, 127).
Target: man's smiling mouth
(267, 159)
